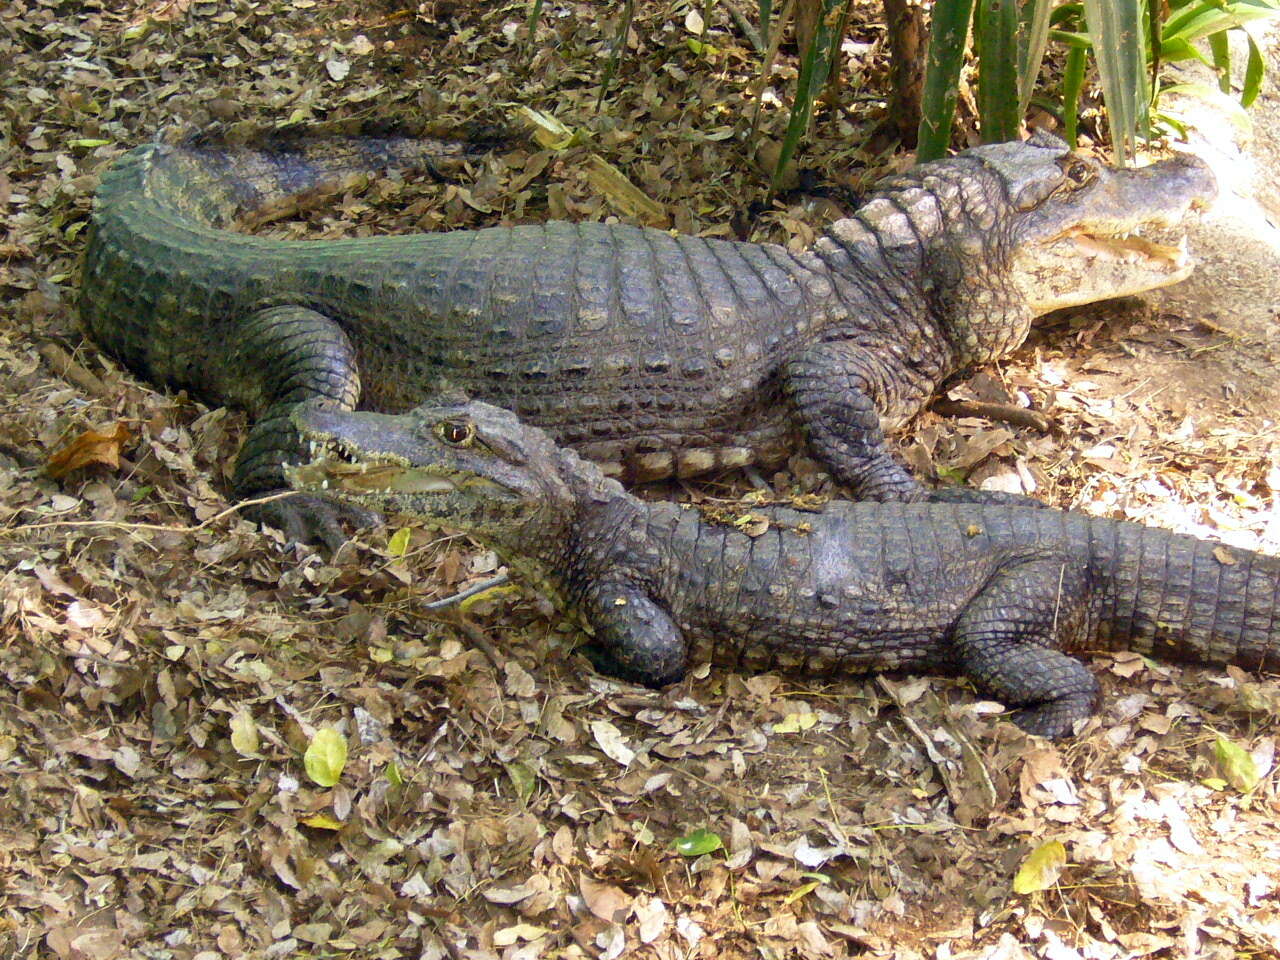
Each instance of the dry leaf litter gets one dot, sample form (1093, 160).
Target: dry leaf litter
(214, 744)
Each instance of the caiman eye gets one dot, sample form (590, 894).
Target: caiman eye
(456, 433)
(1078, 172)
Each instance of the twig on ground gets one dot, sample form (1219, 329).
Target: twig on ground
(471, 591)
(118, 525)
(1004, 412)
(64, 366)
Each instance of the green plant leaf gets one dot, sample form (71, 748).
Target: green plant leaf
(1033, 37)
(815, 64)
(947, 34)
(325, 757)
(1221, 51)
(698, 843)
(1072, 85)
(1041, 868)
(1118, 28)
(1253, 71)
(995, 41)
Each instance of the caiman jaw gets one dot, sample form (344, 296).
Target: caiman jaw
(334, 468)
(1083, 266)
(1132, 248)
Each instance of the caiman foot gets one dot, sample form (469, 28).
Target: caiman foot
(607, 664)
(1057, 718)
(304, 518)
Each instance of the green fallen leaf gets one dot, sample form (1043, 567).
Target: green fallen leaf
(393, 774)
(326, 756)
(398, 545)
(796, 723)
(1040, 870)
(522, 778)
(801, 891)
(697, 843)
(1236, 764)
(322, 821)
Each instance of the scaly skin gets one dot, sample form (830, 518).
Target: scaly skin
(1004, 595)
(650, 353)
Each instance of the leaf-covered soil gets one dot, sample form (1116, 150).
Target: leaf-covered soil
(165, 663)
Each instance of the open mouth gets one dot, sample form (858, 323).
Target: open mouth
(334, 468)
(1132, 248)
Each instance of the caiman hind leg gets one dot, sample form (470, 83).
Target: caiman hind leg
(837, 391)
(635, 639)
(1010, 638)
(285, 356)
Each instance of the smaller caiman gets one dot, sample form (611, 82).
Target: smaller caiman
(1005, 595)
(652, 354)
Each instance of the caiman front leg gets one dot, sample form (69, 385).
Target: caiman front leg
(838, 391)
(1010, 638)
(834, 391)
(285, 356)
(635, 639)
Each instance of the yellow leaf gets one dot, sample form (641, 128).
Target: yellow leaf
(502, 590)
(550, 132)
(89, 448)
(322, 821)
(1236, 764)
(796, 722)
(1040, 870)
(623, 194)
(398, 545)
(244, 734)
(325, 757)
(801, 891)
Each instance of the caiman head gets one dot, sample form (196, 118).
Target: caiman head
(1005, 232)
(468, 466)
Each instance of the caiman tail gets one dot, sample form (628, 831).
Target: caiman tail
(1174, 597)
(163, 278)
(218, 183)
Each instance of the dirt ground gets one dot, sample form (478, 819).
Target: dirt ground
(165, 664)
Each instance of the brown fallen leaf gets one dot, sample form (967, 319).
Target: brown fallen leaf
(89, 448)
(606, 901)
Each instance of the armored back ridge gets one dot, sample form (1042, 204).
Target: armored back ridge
(654, 355)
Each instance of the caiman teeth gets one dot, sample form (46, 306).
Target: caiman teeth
(1132, 248)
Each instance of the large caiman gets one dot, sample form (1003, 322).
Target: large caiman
(1005, 595)
(651, 353)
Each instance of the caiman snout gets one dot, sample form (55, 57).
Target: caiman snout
(1183, 179)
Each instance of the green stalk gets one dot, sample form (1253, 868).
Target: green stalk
(995, 40)
(947, 36)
